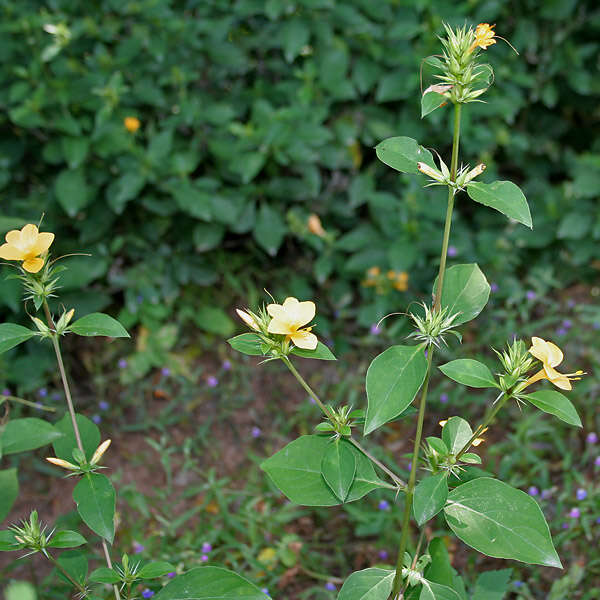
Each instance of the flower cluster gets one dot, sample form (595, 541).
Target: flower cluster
(384, 282)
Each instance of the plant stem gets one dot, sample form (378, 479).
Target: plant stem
(410, 490)
(391, 474)
(59, 567)
(36, 405)
(305, 385)
(453, 168)
(485, 423)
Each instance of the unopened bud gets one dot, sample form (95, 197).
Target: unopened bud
(59, 462)
(315, 226)
(42, 327)
(430, 171)
(248, 319)
(478, 170)
(102, 448)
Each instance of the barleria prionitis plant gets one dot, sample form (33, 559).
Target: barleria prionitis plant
(78, 450)
(332, 466)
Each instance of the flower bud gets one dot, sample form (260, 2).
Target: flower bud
(59, 462)
(430, 172)
(248, 319)
(102, 448)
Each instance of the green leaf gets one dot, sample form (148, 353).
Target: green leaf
(9, 484)
(20, 590)
(75, 150)
(122, 190)
(296, 471)
(210, 583)
(193, 200)
(500, 521)
(554, 403)
(104, 575)
(504, 196)
(8, 542)
(155, 569)
(75, 563)
(72, 191)
(456, 433)
(393, 380)
(430, 497)
(12, 335)
(471, 458)
(466, 291)
(247, 343)
(492, 585)
(96, 324)
(338, 468)
(469, 372)
(67, 539)
(321, 352)
(95, 499)
(21, 435)
(430, 101)
(214, 320)
(403, 154)
(90, 437)
(436, 591)
(368, 584)
(269, 229)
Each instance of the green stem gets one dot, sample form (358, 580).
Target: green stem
(27, 403)
(387, 471)
(485, 423)
(453, 168)
(60, 568)
(410, 490)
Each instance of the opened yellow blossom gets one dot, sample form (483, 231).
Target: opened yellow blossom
(290, 319)
(27, 245)
(484, 36)
(551, 356)
(132, 124)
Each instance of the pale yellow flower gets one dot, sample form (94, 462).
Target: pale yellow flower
(132, 124)
(248, 319)
(315, 226)
(551, 356)
(484, 36)
(27, 245)
(289, 318)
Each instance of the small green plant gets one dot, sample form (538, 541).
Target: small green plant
(332, 466)
(78, 449)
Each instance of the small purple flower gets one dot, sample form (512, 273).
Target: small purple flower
(531, 295)
(425, 353)
(383, 554)
(565, 526)
(567, 323)
(56, 396)
(103, 405)
(122, 364)
(138, 548)
(452, 251)
(375, 329)
(206, 548)
(410, 466)
(147, 593)
(330, 586)
(597, 461)
(212, 381)
(96, 419)
(574, 513)
(561, 331)
(42, 392)
(39, 405)
(6, 392)
(546, 494)
(165, 371)
(533, 491)
(444, 398)
(592, 438)
(265, 591)
(204, 558)
(226, 366)
(571, 303)
(383, 505)
(596, 325)
(312, 400)
(581, 494)
(518, 583)
(256, 432)
(172, 575)
(494, 287)
(139, 298)
(598, 520)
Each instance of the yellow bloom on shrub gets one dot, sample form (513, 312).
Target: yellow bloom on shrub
(289, 318)
(484, 36)
(132, 124)
(551, 356)
(27, 245)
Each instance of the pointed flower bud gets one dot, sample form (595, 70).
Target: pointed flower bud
(430, 172)
(59, 462)
(247, 318)
(102, 448)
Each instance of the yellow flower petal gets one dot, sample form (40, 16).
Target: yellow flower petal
(43, 242)
(281, 327)
(300, 313)
(10, 252)
(304, 339)
(33, 265)
(29, 235)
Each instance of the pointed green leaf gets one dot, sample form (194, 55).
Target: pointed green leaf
(403, 154)
(430, 497)
(466, 291)
(9, 484)
(75, 563)
(456, 433)
(368, 584)
(505, 197)
(95, 499)
(321, 352)
(247, 343)
(393, 380)
(104, 575)
(469, 372)
(296, 471)
(67, 539)
(492, 585)
(12, 335)
(210, 583)
(430, 101)
(98, 324)
(436, 591)
(554, 403)
(155, 569)
(8, 542)
(338, 468)
(21, 435)
(90, 437)
(500, 521)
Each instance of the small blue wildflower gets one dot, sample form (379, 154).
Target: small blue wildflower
(383, 505)
(581, 494)
(567, 323)
(172, 575)
(226, 365)
(571, 303)
(212, 381)
(204, 558)
(561, 331)
(565, 526)
(531, 295)
(533, 491)
(206, 548)
(147, 593)
(444, 398)
(138, 548)
(494, 287)
(574, 513)
(96, 419)
(165, 371)
(103, 405)
(598, 520)
(56, 396)
(375, 329)
(518, 583)
(591, 438)
(6, 392)
(546, 494)
(265, 591)
(42, 392)
(122, 364)
(383, 554)
(596, 325)
(256, 432)
(597, 461)
(452, 251)
(330, 586)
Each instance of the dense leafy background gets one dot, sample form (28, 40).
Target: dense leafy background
(255, 114)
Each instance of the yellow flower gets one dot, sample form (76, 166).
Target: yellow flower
(288, 319)
(551, 356)
(132, 124)
(484, 36)
(315, 226)
(373, 272)
(248, 319)
(27, 245)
